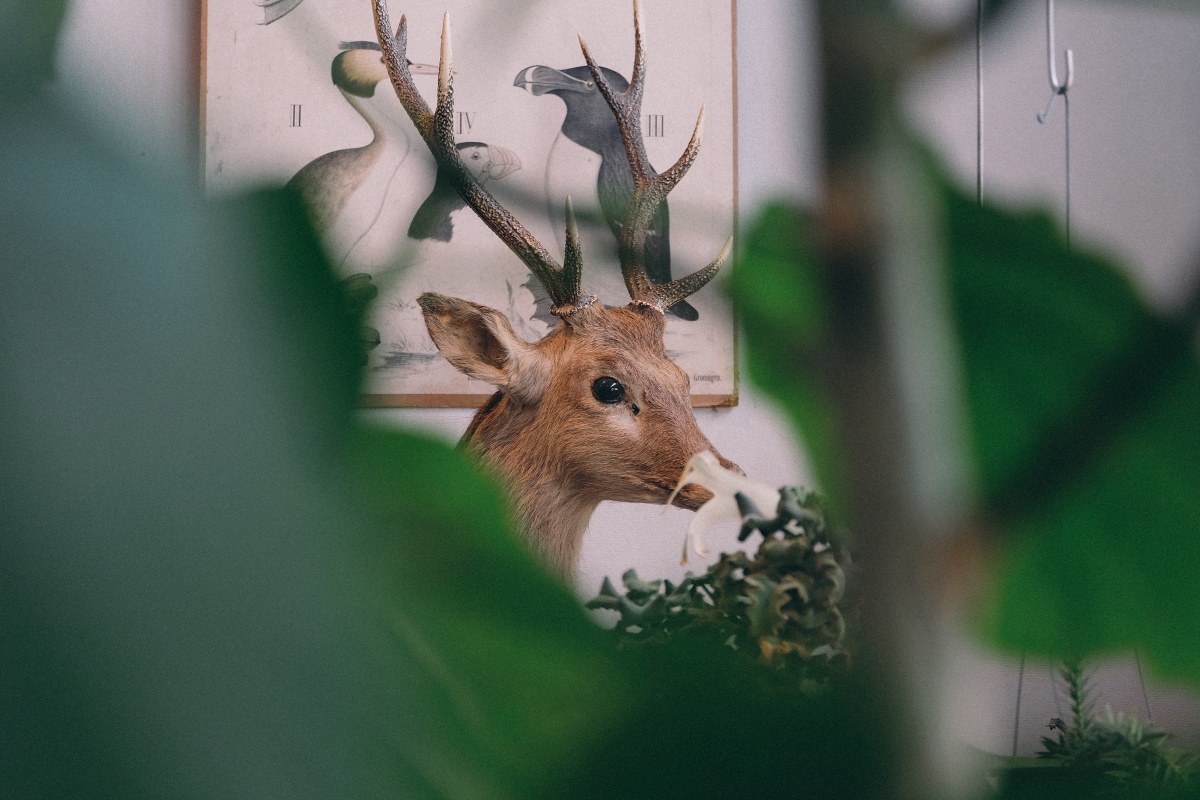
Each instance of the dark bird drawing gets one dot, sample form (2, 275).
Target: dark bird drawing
(327, 182)
(486, 162)
(276, 9)
(590, 124)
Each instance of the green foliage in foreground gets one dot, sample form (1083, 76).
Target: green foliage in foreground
(780, 605)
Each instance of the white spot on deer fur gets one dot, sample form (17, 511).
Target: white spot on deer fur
(622, 417)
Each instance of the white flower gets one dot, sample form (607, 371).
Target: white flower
(704, 469)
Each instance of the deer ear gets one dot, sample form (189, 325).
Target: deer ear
(479, 341)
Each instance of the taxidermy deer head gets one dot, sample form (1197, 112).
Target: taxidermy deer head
(594, 410)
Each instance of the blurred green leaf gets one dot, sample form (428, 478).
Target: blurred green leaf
(1110, 562)
(1083, 406)
(292, 288)
(781, 308)
(1040, 328)
(1084, 410)
(506, 683)
(28, 31)
(177, 594)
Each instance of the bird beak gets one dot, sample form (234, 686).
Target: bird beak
(502, 162)
(540, 80)
(422, 69)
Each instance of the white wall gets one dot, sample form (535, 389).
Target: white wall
(1135, 119)
(131, 64)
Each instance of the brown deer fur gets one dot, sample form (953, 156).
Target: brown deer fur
(559, 450)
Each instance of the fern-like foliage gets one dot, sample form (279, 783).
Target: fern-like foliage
(780, 605)
(1128, 755)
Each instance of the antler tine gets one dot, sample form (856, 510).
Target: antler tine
(437, 129)
(627, 105)
(395, 56)
(664, 295)
(443, 115)
(650, 187)
(572, 273)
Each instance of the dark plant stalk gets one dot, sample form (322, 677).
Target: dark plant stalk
(867, 246)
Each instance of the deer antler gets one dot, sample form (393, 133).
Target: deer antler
(650, 187)
(436, 127)
(562, 283)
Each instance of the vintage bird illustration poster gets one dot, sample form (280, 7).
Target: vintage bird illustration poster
(295, 91)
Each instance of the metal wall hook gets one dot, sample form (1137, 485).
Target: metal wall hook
(1056, 87)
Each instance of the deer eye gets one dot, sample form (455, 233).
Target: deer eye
(608, 390)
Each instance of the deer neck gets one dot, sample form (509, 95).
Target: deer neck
(551, 510)
(554, 518)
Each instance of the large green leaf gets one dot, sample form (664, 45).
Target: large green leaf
(176, 587)
(1084, 408)
(504, 682)
(781, 307)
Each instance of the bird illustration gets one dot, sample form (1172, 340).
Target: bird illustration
(276, 9)
(327, 182)
(590, 124)
(486, 162)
